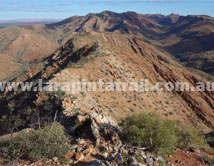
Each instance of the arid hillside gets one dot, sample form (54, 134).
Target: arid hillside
(190, 41)
(130, 47)
(112, 56)
(23, 47)
(128, 59)
(187, 38)
(112, 47)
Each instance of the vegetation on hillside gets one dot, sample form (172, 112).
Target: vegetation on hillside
(46, 143)
(158, 135)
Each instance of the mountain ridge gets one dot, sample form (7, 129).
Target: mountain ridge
(180, 38)
(76, 59)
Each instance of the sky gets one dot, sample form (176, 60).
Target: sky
(60, 9)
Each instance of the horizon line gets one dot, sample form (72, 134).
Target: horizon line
(41, 19)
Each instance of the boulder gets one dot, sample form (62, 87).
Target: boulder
(132, 162)
(149, 161)
(97, 163)
(119, 159)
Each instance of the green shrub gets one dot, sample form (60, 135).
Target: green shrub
(189, 136)
(60, 94)
(158, 135)
(44, 143)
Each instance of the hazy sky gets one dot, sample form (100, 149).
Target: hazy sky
(30, 9)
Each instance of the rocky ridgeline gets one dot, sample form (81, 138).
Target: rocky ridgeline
(98, 141)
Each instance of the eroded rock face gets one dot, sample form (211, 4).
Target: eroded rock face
(98, 140)
(101, 126)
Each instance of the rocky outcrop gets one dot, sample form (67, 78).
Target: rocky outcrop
(98, 141)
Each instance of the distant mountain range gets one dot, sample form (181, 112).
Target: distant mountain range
(6, 23)
(187, 38)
